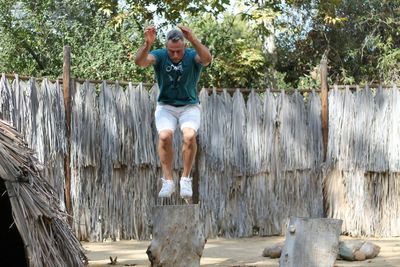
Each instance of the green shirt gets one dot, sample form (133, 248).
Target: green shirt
(177, 82)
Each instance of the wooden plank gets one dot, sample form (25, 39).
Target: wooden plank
(311, 242)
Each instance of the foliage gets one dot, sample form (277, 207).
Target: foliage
(361, 37)
(107, 54)
(103, 36)
(172, 12)
(254, 43)
(35, 32)
(238, 58)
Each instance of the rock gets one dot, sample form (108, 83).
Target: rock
(345, 252)
(351, 250)
(354, 245)
(274, 251)
(370, 250)
(359, 256)
(347, 249)
(266, 252)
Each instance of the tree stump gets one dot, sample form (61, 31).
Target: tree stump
(177, 236)
(311, 243)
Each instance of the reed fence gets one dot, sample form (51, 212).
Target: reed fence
(260, 158)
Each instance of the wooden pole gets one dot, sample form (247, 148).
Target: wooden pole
(67, 108)
(324, 104)
(196, 175)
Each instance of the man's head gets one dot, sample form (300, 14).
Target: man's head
(175, 45)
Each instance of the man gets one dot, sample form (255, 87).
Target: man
(177, 70)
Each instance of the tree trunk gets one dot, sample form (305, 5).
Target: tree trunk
(311, 243)
(178, 236)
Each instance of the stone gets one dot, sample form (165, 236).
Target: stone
(347, 249)
(359, 256)
(370, 250)
(274, 251)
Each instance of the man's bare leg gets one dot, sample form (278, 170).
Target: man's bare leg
(189, 149)
(166, 152)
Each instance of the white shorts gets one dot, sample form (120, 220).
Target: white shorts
(167, 117)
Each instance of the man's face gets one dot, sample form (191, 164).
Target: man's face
(176, 50)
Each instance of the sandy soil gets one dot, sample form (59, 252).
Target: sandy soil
(228, 252)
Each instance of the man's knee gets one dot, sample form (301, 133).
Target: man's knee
(189, 136)
(165, 137)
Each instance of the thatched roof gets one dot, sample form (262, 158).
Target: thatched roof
(41, 223)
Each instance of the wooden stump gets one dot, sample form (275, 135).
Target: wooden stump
(178, 236)
(311, 243)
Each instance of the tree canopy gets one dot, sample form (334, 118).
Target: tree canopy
(255, 44)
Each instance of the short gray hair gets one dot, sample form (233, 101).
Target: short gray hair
(174, 35)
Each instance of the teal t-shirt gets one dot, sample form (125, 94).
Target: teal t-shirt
(177, 82)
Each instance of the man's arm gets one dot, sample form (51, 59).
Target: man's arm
(143, 58)
(203, 54)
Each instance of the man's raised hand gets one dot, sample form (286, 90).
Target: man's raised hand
(150, 34)
(187, 33)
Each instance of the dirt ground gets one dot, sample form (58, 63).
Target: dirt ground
(229, 252)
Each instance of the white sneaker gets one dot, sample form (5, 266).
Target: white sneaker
(168, 187)
(186, 187)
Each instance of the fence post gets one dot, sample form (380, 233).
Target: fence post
(196, 175)
(67, 107)
(324, 103)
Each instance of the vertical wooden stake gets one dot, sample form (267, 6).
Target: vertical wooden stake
(324, 103)
(196, 175)
(67, 107)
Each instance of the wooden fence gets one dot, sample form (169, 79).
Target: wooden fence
(259, 161)
(363, 163)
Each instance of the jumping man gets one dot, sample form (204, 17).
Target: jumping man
(177, 70)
